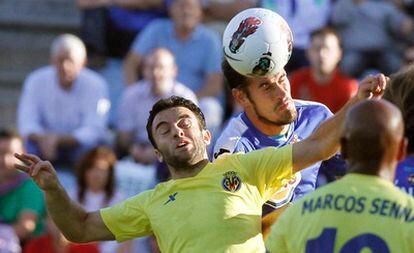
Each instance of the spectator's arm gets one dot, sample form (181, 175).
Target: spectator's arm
(25, 224)
(212, 87)
(89, 4)
(131, 65)
(28, 113)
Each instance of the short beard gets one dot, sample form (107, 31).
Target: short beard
(181, 164)
(288, 117)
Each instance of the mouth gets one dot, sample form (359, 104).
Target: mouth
(182, 143)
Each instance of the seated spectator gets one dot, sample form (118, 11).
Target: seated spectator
(303, 17)
(159, 81)
(54, 242)
(63, 107)
(21, 201)
(197, 51)
(323, 81)
(369, 29)
(96, 187)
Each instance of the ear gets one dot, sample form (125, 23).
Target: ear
(158, 155)
(206, 136)
(402, 149)
(240, 96)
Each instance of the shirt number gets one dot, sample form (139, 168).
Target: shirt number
(326, 241)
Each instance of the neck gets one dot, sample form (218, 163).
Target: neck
(183, 33)
(159, 90)
(188, 171)
(266, 128)
(383, 172)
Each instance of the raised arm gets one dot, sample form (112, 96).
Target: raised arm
(324, 142)
(75, 223)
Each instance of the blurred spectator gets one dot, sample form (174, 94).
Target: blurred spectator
(54, 242)
(63, 107)
(159, 81)
(21, 201)
(369, 30)
(96, 188)
(303, 17)
(108, 29)
(197, 51)
(323, 81)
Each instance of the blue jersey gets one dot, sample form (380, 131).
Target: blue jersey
(240, 135)
(404, 175)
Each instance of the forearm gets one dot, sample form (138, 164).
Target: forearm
(67, 215)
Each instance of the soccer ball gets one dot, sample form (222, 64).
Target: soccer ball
(257, 42)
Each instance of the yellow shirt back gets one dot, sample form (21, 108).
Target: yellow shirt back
(358, 213)
(218, 210)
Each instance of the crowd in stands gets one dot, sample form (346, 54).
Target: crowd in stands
(87, 111)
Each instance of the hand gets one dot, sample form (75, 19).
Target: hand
(372, 87)
(42, 172)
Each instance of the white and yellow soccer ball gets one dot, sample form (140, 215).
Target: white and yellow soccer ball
(257, 42)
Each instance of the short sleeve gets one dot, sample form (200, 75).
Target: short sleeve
(145, 41)
(267, 168)
(128, 219)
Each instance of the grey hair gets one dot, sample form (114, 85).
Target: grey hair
(71, 43)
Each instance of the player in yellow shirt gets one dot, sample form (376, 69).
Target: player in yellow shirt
(363, 210)
(206, 207)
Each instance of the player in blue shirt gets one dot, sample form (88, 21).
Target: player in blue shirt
(272, 118)
(401, 93)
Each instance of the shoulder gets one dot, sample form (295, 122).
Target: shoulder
(300, 73)
(183, 91)
(207, 34)
(91, 78)
(137, 90)
(40, 74)
(312, 109)
(231, 137)
(159, 24)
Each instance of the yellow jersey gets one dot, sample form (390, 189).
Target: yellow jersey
(218, 210)
(354, 213)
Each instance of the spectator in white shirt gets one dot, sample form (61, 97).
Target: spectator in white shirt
(63, 107)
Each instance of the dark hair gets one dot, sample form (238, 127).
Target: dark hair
(8, 134)
(87, 162)
(400, 91)
(324, 31)
(234, 79)
(172, 102)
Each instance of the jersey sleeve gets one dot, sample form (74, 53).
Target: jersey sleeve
(128, 219)
(267, 168)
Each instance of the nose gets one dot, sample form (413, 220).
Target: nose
(178, 131)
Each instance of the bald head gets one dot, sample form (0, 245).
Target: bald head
(373, 135)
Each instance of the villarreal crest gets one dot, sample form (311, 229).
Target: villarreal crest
(231, 182)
